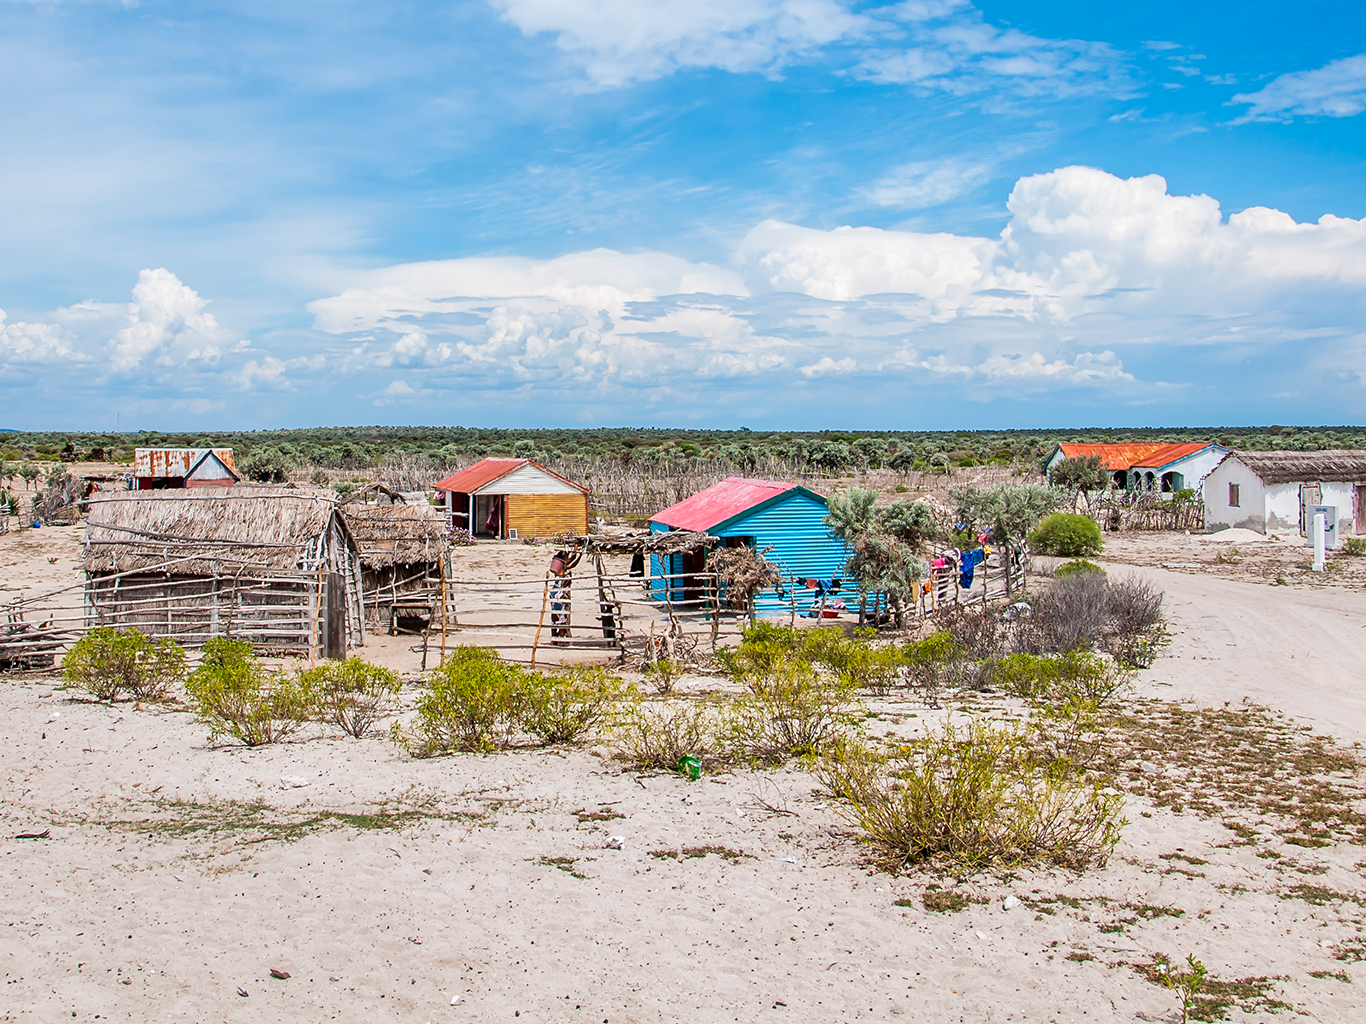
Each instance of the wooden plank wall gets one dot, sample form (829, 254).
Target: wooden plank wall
(544, 515)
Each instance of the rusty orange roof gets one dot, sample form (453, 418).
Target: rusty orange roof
(485, 471)
(1170, 453)
(1148, 454)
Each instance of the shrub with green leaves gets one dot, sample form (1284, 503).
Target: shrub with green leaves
(1066, 535)
(234, 694)
(474, 702)
(657, 733)
(110, 663)
(561, 708)
(353, 694)
(933, 661)
(972, 796)
(1354, 546)
(1077, 565)
(791, 711)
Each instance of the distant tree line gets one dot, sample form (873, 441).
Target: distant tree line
(273, 453)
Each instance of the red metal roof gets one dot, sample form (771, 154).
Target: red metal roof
(1127, 456)
(720, 502)
(485, 471)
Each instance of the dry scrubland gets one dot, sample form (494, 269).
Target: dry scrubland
(178, 873)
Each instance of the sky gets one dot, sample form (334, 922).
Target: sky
(780, 214)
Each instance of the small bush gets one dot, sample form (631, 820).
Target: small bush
(1066, 535)
(109, 663)
(933, 662)
(663, 674)
(562, 708)
(789, 712)
(235, 695)
(972, 797)
(1354, 546)
(473, 702)
(655, 734)
(353, 694)
(1075, 566)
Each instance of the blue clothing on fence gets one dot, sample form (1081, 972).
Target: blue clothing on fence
(967, 564)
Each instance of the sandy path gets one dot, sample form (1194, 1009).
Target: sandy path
(1297, 650)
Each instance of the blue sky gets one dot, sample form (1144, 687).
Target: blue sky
(772, 213)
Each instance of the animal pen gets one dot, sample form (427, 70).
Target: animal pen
(589, 602)
(277, 567)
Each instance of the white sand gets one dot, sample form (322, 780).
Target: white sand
(462, 905)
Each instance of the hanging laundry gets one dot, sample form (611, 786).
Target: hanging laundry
(967, 565)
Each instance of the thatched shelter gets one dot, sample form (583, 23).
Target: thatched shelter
(401, 550)
(276, 565)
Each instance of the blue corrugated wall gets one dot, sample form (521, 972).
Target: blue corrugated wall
(802, 546)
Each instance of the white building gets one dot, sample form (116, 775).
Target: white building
(1275, 492)
(1174, 469)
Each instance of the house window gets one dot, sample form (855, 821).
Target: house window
(1232, 495)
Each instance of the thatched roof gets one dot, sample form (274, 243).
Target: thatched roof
(1345, 466)
(396, 534)
(650, 542)
(207, 530)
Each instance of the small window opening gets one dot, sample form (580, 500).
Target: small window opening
(1233, 496)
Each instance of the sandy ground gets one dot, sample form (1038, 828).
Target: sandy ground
(472, 888)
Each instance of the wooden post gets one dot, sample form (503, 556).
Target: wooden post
(443, 610)
(605, 617)
(334, 636)
(545, 597)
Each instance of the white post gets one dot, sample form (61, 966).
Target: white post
(1319, 527)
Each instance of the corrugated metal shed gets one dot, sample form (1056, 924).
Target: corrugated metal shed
(157, 463)
(476, 479)
(789, 518)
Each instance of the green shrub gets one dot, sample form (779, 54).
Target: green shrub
(353, 694)
(656, 734)
(235, 695)
(933, 661)
(789, 712)
(1077, 565)
(663, 673)
(473, 702)
(109, 663)
(561, 708)
(1066, 535)
(1070, 694)
(972, 796)
(1354, 546)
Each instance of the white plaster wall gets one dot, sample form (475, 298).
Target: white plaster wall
(1341, 495)
(1199, 466)
(1283, 508)
(1251, 511)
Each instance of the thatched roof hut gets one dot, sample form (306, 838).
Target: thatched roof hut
(204, 532)
(278, 566)
(397, 534)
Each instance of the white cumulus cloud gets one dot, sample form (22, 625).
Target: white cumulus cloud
(1088, 261)
(33, 343)
(1337, 89)
(167, 325)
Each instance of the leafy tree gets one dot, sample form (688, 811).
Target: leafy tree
(1009, 511)
(1081, 476)
(30, 473)
(879, 558)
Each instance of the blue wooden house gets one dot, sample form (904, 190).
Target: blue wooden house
(756, 514)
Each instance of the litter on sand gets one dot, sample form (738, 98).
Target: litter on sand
(275, 972)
